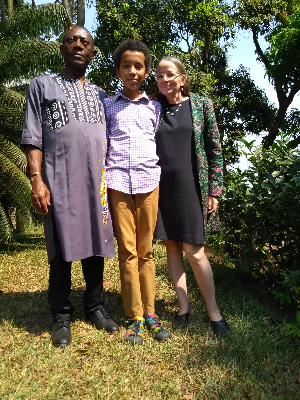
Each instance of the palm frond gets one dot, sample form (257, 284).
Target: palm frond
(26, 59)
(14, 183)
(12, 106)
(5, 226)
(35, 22)
(13, 153)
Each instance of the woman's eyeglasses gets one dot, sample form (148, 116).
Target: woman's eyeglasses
(168, 76)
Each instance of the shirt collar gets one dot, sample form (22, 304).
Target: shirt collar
(120, 94)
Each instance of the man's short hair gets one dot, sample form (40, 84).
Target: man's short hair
(132, 45)
(77, 26)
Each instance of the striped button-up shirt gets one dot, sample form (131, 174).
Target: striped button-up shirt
(131, 159)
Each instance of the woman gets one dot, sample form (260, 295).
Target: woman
(188, 146)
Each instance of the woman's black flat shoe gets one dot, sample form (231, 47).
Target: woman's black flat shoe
(180, 321)
(220, 328)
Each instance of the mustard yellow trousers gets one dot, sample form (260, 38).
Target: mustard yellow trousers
(134, 220)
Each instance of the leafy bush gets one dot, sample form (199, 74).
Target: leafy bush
(260, 215)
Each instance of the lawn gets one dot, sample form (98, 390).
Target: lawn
(256, 361)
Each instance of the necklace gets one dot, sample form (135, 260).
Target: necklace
(174, 112)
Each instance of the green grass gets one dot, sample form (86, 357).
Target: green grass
(256, 361)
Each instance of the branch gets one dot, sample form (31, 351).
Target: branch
(294, 143)
(258, 48)
(283, 106)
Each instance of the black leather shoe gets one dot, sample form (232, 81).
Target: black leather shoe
(180, 321)
(101, 320)
(61, 334)
(220, 328)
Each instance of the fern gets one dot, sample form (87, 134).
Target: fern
(14, 183)
(5, 226)
(13, 153)
(35, 22)
(26, 59)
(12, 106)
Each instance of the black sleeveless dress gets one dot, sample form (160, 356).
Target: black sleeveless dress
(180, 215)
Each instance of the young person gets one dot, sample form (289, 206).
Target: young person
(132, 179)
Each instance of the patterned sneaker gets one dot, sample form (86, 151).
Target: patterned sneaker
(160, 332)
(135, 330)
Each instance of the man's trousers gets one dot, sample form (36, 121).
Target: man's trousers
(60, 281)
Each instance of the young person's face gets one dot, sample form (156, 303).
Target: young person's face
(132, 71)
(169, 79)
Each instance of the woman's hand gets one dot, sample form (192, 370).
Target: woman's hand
(213, 203)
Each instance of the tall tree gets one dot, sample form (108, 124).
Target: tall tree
(278, 21)
(193, 31)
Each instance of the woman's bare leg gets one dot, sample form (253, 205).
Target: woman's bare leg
(177, 273)
(204, 276)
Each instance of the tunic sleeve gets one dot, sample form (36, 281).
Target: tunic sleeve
(32, 129)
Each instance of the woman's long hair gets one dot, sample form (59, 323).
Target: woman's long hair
(178, 64)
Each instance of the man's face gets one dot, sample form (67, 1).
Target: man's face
(78, 48)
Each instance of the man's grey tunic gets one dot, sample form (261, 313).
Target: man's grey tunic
(69, 127)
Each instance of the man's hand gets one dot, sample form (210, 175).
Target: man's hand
(40, 195)
(213, 203)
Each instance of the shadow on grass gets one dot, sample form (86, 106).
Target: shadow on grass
(23, 243)
(31, 311)
(257, 355)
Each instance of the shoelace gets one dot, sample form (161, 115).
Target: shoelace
(154, 324)
(62, 324)
(136, 328)
(103, 312)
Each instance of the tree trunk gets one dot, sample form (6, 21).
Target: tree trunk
(284, 103)
(10, 7)
(2, 10)
(69, 6)
(80, 12)
(205, 53)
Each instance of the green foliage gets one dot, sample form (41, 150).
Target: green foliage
(242, 109)
(42, 22)
(283, 51)
(163, 26)
(191, 31)
(12, 105)
(294, 329)
(5, 226)
(24, 42)
(278, 21)
(261, 217)
(14, 183)
(25, 51)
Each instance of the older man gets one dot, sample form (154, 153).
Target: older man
(65, 126)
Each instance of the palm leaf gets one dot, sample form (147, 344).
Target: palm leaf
(12, 106)
(14, 183)
(5, 226)
(26, 59)
(13, 153)
(35, 22)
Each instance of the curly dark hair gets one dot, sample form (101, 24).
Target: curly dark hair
(132, 45)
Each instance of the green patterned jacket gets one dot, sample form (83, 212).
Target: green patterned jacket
(208, 155)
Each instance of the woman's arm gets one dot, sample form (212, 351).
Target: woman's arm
(213, 150)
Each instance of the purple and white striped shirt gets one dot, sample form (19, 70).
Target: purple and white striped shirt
(131, 160)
